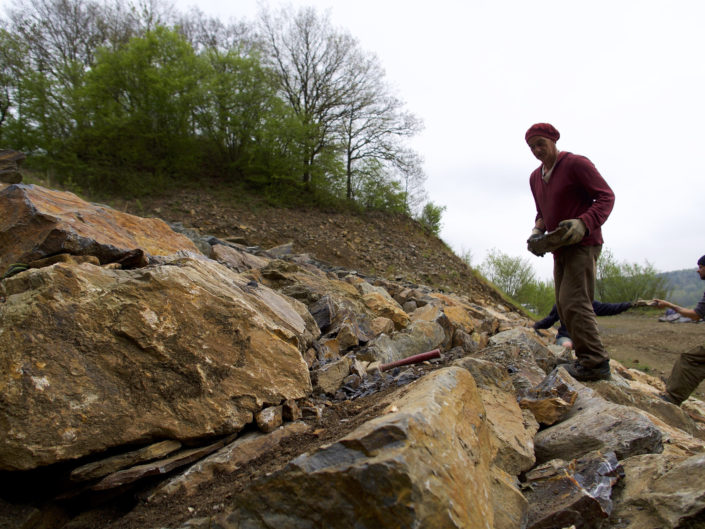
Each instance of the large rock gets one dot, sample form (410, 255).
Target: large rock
(665, 490)
(92, 358)
(418, 337)
(424, 463)
(36, 222)
(596, 424)
(512, 438)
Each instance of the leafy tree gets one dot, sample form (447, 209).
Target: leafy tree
(618, 282)
(515, 277)
(239, 101)
(509, 274)
(430, 217)
(139, 103)
(537, 296)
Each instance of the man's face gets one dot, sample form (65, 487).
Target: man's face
(542, 148)
(701, 272)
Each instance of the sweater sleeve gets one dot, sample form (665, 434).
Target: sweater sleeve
(597, 190)
(610, 309)
(548, 320)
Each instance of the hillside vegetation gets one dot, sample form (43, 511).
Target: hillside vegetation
(685, 286)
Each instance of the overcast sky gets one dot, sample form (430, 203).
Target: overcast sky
(623, 82)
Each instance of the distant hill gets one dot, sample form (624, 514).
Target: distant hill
(686, 287)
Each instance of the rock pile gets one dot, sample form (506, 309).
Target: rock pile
(134, 353)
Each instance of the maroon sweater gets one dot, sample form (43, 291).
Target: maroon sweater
(576, 190)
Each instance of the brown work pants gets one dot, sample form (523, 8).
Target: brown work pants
(687, 373)
(574, 269)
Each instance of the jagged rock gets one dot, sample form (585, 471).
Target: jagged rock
(161, 467)
(511, 509)
(528, 341)
(83, 348)
(38, 222)
(270, 418)
(596, 424)
(10, 162)
(470, 343)
(418, 337)
(518, 359)
(381, 325)
(436, 314)
(282, 250)
(642, 391)
(329, 377)
(424, 463)
(577, 493)
(229, 458)
(238, 260)
(552, 399)
(99, 469)
(662, 490)
(385, 306)
(512, 439)
(291, 410)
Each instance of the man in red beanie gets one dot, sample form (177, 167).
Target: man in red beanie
(570, 194)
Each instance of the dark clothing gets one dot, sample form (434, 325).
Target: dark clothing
(687, 373)
(576, 190)
(574, 280)
(689, 370)
(600, 309)
(700, 307)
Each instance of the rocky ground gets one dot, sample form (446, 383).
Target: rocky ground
(376, 244)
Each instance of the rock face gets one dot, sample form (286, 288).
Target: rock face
(115, 357)
(424, 463)
(128, 358)
(36, 222)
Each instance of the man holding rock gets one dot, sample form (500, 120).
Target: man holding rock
(572, 202)
(689, 369)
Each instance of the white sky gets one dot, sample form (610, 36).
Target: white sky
(622, 80)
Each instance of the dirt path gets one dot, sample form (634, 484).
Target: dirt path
(641, 341)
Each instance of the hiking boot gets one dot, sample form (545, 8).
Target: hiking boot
(586, 374)
(547, 243)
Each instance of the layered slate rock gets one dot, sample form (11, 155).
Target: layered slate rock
(36, 222)
(424, 463)
(511, 436)
(576, 493)
(596, 424)
(665, 490)
(94, 358)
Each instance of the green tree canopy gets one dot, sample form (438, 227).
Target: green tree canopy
(619, 282)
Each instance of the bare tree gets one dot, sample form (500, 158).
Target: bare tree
(211, 33)
(374, 125)
(310, 61)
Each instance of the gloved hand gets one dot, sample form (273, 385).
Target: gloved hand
(576, 231)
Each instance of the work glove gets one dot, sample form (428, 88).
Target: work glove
(576, 231)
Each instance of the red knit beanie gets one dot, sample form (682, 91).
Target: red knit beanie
(542, 129)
